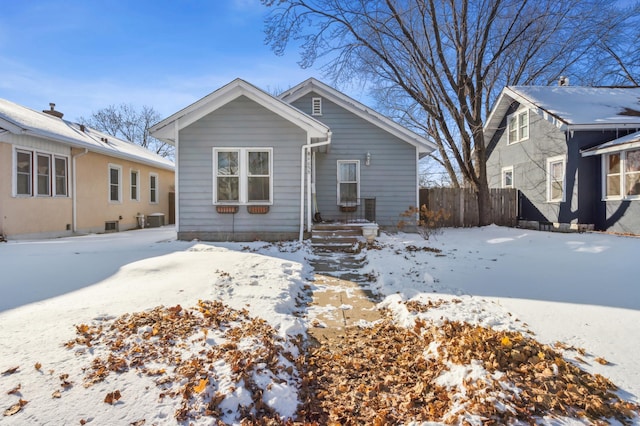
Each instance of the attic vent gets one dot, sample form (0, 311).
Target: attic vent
(316, 106)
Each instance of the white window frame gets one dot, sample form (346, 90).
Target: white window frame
(135, 172)
(357, 182)
(110, 184)
(243, 176)
(15, 173)
(622, 176)
(517, 116)
(316, 106)
(56, 188)
(550, 162)
(47, 190)
(154, 189)
(52, 186)
(505, 170)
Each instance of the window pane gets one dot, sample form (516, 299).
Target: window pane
(348, 193)
(61, 176)
(258, 163)
(613, 185)
(614, 163)
(114, 176)
(23, 178)
(513, 129)
(557, 170)
(134, 185)
(258, 189)
(632, 183)
(227, 189)
(556, 190)
(113, 195)
(508, 178)
(633, 161)
(227, 163)
(348, 172)
(44, 174)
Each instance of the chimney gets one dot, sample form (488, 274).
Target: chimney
(563, 81)
(53, 111)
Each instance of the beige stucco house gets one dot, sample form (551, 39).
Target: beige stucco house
(59, 178)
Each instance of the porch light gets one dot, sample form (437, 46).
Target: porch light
(367, 159)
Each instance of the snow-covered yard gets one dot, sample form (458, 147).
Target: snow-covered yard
(66, 303)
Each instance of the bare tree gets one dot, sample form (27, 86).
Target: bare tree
(440, 64)
(126, 122)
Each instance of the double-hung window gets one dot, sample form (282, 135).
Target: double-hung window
(243, 175)
(556, 178)
(40, 174)
(622, 175)
(43, 168)
(24, 170)
(348, 182)
(61, 185)
(115, 183)
(135, 183)
(518, 124)
(153, 188)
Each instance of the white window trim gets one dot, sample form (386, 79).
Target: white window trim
(550, 161)
(338, 181)
(243, 176)
(34, 173)
(316, 106)
(517, 114)
(137, 172)
(119, 168)
(623, 179)
(151, 175)
(503, 175)
(49, 192)
(54, 185)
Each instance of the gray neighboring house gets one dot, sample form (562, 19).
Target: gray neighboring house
(572, 152)
(252, 166)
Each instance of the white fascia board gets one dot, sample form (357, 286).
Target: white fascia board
(11, 126)
(359, 109)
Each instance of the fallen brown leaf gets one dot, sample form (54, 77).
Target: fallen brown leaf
(15, 408)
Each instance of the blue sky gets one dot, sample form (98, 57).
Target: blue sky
(85, 55)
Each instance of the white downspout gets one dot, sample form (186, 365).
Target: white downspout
(74, 187)
(304, 168)
(176, 139)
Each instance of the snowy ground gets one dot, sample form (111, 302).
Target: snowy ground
(575, 288)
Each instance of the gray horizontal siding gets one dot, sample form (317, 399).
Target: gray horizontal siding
(391, 178)
(241, 123)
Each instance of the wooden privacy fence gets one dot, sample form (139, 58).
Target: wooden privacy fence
(461, 205)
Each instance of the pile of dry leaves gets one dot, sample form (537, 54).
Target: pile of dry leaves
(224, 345)
(392, 375)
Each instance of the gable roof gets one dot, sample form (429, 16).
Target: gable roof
(20, 120)
(165, 130)
(359, 109)
(572, 107)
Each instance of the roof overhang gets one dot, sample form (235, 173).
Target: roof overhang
(166, 129)
(624, 143)
(423, 145)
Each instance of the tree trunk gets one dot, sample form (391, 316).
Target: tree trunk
(484, 204)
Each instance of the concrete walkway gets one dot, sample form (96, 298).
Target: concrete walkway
(340, 297)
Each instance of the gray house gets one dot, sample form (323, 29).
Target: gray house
(254, 166)
(572, 152)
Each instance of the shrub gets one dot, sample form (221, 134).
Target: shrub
(428, 222)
